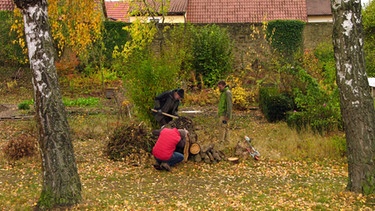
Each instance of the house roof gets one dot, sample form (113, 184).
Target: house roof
(245, 11)
(318, 7)
(117, 10)
(178, 6)
(6, 5)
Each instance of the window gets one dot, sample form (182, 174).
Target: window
(153, 20)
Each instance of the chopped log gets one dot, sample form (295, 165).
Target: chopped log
(195, 148)
(222, 155)
(205, 157)
(207, 148)
(216, 155)
(197, 158)
(209, 154)
(202, 154)
(207, 160)
(186, 148)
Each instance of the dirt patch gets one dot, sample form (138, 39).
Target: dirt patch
(3, 108)
(8, 111)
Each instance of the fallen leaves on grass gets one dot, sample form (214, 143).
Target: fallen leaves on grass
(249, 185)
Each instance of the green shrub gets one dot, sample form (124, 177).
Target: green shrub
(325, 55)
(146, 79)
(274, 105)
(368, 21)
(316, 107)
(25, 105)
(212, 53)
(145, 72)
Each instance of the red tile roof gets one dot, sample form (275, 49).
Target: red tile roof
(245, 11)
(178, 6)
(6, 5)
(117, 10)
(318, 7)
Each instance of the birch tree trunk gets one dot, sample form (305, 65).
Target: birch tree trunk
(61, 182)
(357, 105)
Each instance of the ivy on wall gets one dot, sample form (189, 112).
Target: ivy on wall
(285, 36)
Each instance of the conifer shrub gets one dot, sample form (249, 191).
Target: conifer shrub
(273, 104)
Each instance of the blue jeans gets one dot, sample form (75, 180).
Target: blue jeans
(176, 158)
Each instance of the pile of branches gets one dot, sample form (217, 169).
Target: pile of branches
(130, 142)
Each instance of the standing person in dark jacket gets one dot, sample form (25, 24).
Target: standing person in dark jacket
(167, 102)
(224, 110)
(166, 149)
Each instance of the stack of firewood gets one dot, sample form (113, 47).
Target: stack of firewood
(208, 154)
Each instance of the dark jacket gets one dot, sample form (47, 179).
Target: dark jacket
(167, 104)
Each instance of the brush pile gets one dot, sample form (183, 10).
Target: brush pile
(131, 142)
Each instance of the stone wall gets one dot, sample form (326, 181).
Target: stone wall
(251, 47)
(316, 33)
(250, 44)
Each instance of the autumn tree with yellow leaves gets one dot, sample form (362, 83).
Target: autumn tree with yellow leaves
(75, 25)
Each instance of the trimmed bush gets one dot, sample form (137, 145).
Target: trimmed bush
(274, 105)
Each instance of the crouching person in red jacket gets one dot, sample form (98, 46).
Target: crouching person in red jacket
(167, 150)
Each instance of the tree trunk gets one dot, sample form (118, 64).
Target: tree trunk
(61, 182)
(357, 105)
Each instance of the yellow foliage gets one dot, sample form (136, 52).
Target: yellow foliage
(17, 27)
(142, 36)
(202, 98)
(126, 103)
(12, 84)
(241, 96)
(74, 24)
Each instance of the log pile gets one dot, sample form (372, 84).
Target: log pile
(207, 153)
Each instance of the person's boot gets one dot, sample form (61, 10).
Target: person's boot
(157, 166)
(165, 166)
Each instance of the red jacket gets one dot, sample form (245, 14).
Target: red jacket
(166, 143)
